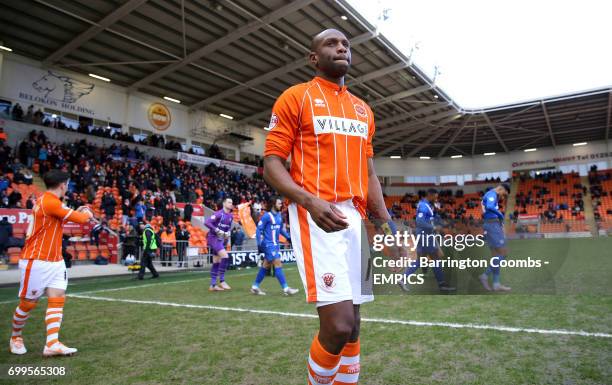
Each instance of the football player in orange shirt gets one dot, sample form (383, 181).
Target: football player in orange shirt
(328, 133)
(42, 266)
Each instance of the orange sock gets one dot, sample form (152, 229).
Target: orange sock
(322, 365)
(55, 310)
(348, 373)
(22, 312)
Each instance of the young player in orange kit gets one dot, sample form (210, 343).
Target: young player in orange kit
(43, 270)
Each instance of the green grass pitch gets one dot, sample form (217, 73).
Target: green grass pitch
(155, 343)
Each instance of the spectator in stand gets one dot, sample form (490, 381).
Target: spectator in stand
(187, 212)
(139, 209)
(129, 239)
(32, 200)
(65, 254)
(32, 154)
(6, 158)
(6, 233)
(215, 152)
(169, 214)
(5, 183)
(108, 205)
(97, 230)
(4, 200)
(168, 240)
(17, 113)
(126, 208)
(237, 238)
(14, 198)
(149, 212)
(182, 241)
(38, 117)
(28, 178)
(3, 137)
(30, 114)
(6, 236)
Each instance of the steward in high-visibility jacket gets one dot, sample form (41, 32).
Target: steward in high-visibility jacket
(149, 248)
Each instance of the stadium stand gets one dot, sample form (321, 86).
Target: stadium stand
(556, 198)
(601, 194)
(114, 180)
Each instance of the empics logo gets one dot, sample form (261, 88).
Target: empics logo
(159, 116)
(343, 126)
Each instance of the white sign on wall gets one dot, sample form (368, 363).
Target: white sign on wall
(242, 168)
(60, 91)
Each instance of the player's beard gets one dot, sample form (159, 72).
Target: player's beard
(339, 71)
(335, 70)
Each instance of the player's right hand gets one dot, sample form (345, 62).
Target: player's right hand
(327, 216)
(88, 212)
(85, 209)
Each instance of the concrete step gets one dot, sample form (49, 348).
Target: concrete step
(511, 200)
(589, 212)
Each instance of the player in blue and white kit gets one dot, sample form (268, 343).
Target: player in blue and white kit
(427, 246)
(269, 228)
(494, 234)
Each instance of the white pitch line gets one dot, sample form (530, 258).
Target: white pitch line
(160, 283)
(136, 286)
(372, 320)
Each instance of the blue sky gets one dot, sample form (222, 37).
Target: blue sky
(491, 53)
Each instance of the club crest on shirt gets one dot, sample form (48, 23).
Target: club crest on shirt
(328, 280)
(360, 110)
(273, 122)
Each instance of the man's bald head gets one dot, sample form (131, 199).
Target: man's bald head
(330, 53)
(320, 37)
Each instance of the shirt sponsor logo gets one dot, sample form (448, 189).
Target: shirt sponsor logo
(335, 125)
